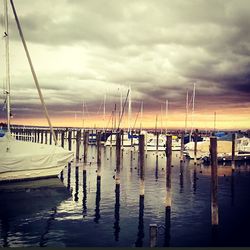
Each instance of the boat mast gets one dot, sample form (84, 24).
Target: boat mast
(192, 117)
(141, 115)
(161, 119)
(7, 89)
(214, 121)
(166, 116)
(186, 112)
(129, 110)
(33, 71)
(83, 114)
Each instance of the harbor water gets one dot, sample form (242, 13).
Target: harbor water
(78, 210)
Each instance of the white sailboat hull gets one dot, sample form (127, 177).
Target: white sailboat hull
(27, 160)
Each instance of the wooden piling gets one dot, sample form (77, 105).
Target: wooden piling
(50, 137)
(85, 146)
(168, 170)
(195, 146)
(78, 143)
(141, 162)
(214, 181)
(98, 146)
(233, 152)
(182, 147)
(77, 183)
(118, 156)
(69, 139)
(46, 136)
(42, 132)
(62, 139)
(153, 231)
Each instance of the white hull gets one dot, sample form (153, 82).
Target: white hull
(27, 160)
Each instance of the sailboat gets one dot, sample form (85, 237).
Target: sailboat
(22, 160)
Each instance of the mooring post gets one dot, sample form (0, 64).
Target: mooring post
(46, 136)
(153, 235)
(69, 139)
(85, 146)
(62, 138)
(78, 143)
(182, 147)
(214, 181)
(98, 145)
(157, 143)
(233, 152)
(122, 135)
(118, 155)
(68, 176)
(42, 136)
(141, 161)
(195, 146)
(38, 136)
(50, 137)
(77, 183)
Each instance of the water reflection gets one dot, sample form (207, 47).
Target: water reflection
(84, 199)
(68, 176)
(156, 169)
(140, 234)
(98, 199)
(167, 226)
(77, 184)
(117, 212)
(181, 176)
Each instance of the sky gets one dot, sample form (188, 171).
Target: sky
(83, 50)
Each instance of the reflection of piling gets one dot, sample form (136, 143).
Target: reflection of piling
(214, 181)
(195, 146)
(78, 143)
(182, 146)
(156, 168)
(84, 199)
(85, 146)
(167, 226)
(233, 152)
(232, 189)
(77, 183)
(98, 199)
(69, 139)
(194, 180)
(153, 235)
(181, 176)
(117, 212)
(140, 234)
(98, 144)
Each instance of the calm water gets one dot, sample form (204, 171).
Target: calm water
(79, 212)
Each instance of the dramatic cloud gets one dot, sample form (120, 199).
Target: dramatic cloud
(84, 49)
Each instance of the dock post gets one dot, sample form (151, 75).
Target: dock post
(62, 139)
(153, 235)
(182, 147)
(168, 190)
(42, 136)
(118, 153)
(157, 143)
(233, 152)
(50, 137)
(77, 183)
(141, 161)
(214, 181)
(46, 136)
(98, 144)
(69, 139)
(78, 143)
(85, 146)
(38, 136)
(195, 146)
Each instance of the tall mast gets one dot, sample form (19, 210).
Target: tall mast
(141, 115)
(192, 117)
(104, 109)
(214, 121)
(161, 119)
(6, 36)
(120, 104)
(83, 114)
(33, 72)
(129, 110)
(166, 116)
(186, 112)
